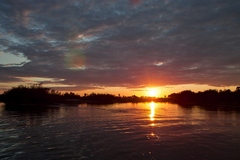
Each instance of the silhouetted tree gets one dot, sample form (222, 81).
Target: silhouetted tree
(208, 97)
(32, 94)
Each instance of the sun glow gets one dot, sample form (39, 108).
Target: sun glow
(152, 92)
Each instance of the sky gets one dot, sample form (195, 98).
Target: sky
(120, 46)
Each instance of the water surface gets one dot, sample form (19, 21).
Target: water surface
(120, 131)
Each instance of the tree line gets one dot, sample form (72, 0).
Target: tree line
(37, 94)
(208, 97)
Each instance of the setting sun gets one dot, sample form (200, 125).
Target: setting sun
(152, 92)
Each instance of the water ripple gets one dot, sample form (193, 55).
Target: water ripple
(121, 131)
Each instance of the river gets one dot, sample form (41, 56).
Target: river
(142, 131)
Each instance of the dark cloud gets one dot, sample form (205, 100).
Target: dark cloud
(128, 43)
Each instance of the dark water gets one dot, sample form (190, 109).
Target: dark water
(120, 132)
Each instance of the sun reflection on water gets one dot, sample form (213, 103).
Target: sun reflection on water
(152, 134)
(152, 107)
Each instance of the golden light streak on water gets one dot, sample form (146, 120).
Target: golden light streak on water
(152, 107)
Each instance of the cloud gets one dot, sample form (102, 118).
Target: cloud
(121, 43)
(12, 59)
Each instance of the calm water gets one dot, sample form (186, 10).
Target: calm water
(120, 132)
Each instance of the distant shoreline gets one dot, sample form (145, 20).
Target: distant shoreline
(36, 95)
